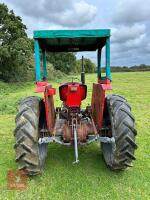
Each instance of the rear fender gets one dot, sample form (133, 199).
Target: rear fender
(98, 100)
(49, 92)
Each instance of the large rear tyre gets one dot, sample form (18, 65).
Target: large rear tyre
(29, 154)
(118, 116)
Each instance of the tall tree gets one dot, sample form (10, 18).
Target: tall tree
(15, 47)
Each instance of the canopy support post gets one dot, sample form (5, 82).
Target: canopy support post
(108, 75)
(99, 62)
(44, 65)
(37, 60)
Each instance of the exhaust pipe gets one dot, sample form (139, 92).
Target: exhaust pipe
(82, 72)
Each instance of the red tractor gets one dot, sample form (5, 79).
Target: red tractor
(108, 119)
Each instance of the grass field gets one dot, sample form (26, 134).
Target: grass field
(90, 179)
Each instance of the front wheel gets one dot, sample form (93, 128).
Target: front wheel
(118, 116)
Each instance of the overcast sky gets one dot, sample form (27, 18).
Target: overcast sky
(129, 21)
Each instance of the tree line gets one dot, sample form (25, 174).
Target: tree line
(17, 54)
(135, 68)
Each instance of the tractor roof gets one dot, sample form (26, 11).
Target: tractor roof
(71, 40)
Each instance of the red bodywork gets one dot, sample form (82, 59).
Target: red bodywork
(49, 102)
(40, 86)
(98, 100)
(72, 93)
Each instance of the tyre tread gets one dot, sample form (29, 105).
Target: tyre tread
(26, 134)
(123, 131)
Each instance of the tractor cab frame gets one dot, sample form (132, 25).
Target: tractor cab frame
(73, 93)
(74, 41)
(71, 41)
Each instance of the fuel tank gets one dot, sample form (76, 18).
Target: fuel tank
(72, 93)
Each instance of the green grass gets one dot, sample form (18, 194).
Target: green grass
(90, 179)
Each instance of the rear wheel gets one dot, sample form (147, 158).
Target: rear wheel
(29, 154)
(118, 116)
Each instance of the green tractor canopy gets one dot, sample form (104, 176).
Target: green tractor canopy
(71, 41)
